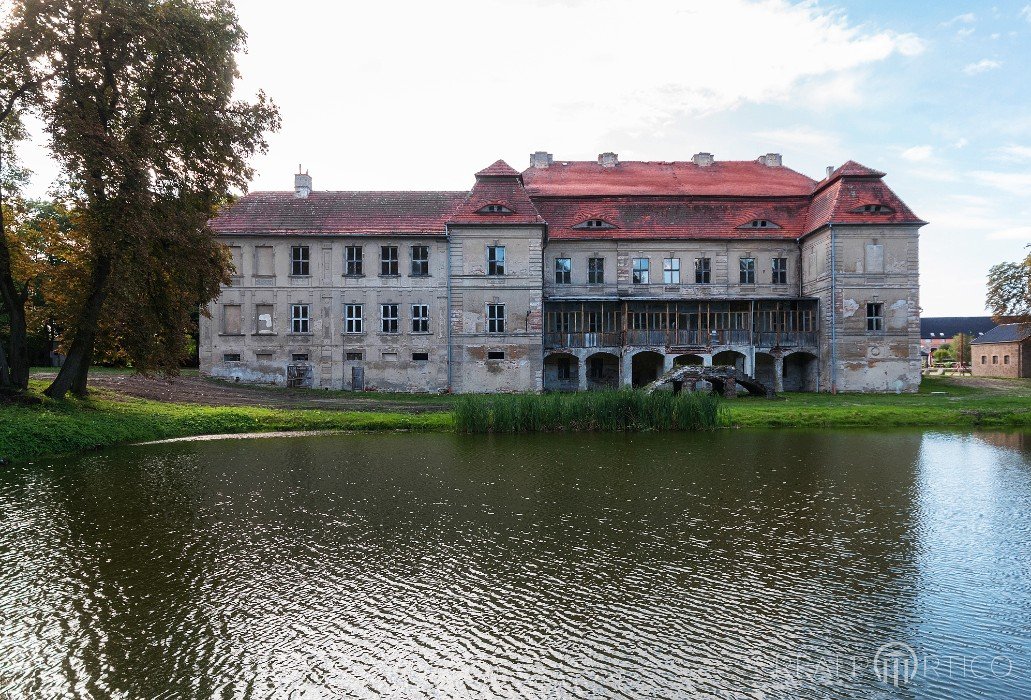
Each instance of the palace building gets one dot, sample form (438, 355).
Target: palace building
(574, 275)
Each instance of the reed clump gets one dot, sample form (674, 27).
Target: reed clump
(594, 411)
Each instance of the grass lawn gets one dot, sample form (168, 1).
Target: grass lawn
(60, 427)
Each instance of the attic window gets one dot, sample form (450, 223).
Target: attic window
(760, 223)
(494, 209)
(594, 223)
(874, 209)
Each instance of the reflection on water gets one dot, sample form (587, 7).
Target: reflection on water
(755, 564)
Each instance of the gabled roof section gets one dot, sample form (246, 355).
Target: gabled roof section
(840, 199)
(501, 184)
(338, 213)
(727, 178)
(1005, 333)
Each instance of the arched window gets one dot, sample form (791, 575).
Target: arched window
(494, 209)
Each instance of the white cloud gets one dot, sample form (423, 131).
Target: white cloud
(960, 143)
(1026, 12)
(917, 154)
(800, 137)
(1015, 183)
(985, 64)
(1013, 153)
(965, 32)
(966, 18)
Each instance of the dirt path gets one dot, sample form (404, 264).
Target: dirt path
(210, 392)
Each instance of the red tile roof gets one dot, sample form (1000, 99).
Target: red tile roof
(497, 184)
(669, 218)
(837, 201)
(679, 178)
(329, 213)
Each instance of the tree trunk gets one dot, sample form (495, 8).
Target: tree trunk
(17, 375)
(5, 375)
(75, 370)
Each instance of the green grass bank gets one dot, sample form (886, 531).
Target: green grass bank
(61, 427)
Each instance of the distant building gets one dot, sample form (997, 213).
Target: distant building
(574, 275)
(1004, 351)
(936, 331)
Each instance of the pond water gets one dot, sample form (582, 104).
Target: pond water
(737, 564)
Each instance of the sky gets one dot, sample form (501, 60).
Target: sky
(421, 95)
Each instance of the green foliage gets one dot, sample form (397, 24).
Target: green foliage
(1009, 291)
(607, 411)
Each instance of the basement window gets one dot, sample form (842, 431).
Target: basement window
(494, 209)
(235, 357)
(495, 354)
(420, 357)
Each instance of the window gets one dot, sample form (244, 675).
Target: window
(420, 356)
(388, 318)
(995, 359)
(984, 359)
(594, 321)
(1005, 359)
(875, 316)
(747, 271)
(563, 270)
(264, 261)
(388, 260)
(702, 270)
(300, 318)
(565, 368)
(264, 316)
(389, 356)
(595, 367)
(420, 261)
(495, 354)
(494, 209)
(353, 356)
(353, 321)
(760, 223)
(671, 271)
(231, 357)
(562, 321)
(594, 224)
(353, 261)
(873, 209)
(495, 260)
(640, 275)
(231, 319)
(299, 357)
(595, 270)
(236, 252)
(300, 265)
(263, 356)
(420, 318)
(779, 270)
(495, 318)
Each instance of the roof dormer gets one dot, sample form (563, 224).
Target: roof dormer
(873, 209)
(594, 224)
(760, 223)
(494, 209)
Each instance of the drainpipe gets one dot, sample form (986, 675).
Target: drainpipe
(834, 314)
(447, 234)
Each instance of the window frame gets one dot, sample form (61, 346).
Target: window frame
(778, 270)
(300, 265)
(746, 270)
(354, 261)
(389, 265)
(422, 261)
(420, 318)
(496, 265)
(874, 317)
(354, 324)
(639, 270)
(563, 276)
(595, 270)
(497, 317)
(671, 271)
(300, 323)
(390, 325)
(703, 270)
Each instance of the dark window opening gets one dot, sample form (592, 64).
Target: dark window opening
(300, 264)
(495, 354)
(420, 356)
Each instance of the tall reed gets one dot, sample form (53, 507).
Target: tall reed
(608, 411)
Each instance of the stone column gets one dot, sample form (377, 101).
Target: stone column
(626, 370)
(581, 364)
(667, 363)
(706, 360)
(778, 374)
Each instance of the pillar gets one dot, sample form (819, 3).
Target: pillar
(626, 370)
(778, 374)
(581, 365)
(707, 360)
(667, 363)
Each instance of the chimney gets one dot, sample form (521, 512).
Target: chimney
(541, 159)
(302, 184)
(608, 160)
(771, 160)
(830, 169)
(702, 159)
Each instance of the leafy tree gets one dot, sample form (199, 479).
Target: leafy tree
(960, 347)
(142, 119)
(1009, 292)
